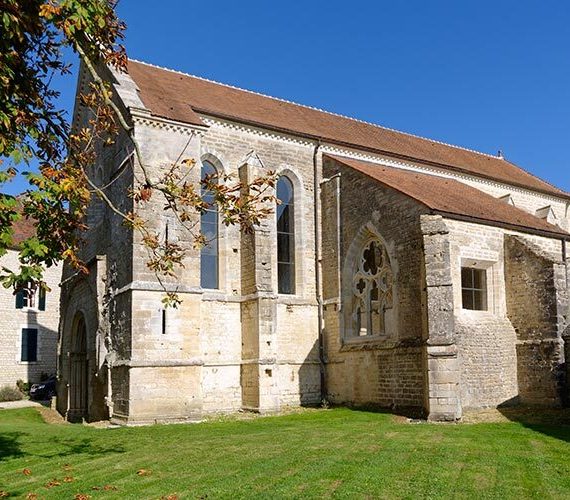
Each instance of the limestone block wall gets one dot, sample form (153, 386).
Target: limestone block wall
(297, 357)
(486, 339)
(220, 345)
(385, 371)
(79, 298)
(13, 320)
(278, 332)
(488, 360)
(103, 296)
(443, 401)
(230, 145)
(495, 366)
(206, 340)
(537, 307)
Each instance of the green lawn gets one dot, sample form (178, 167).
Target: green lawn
(340, 453)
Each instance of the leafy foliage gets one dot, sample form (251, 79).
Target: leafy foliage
(35, 34)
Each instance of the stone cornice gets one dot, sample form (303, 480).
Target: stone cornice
(148, 120)
(213, 295)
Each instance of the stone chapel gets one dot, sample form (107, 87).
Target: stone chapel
(397, 271)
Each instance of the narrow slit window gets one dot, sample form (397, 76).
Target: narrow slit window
(474, 288)
(285, 237)
(209, 268)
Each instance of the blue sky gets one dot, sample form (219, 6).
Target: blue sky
(487, 75)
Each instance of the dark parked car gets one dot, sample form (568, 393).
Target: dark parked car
(44, 390)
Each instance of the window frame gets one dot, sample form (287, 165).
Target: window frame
(473, 290)
(289, 236)
(215, 242)
(26, 329)
(27, 298)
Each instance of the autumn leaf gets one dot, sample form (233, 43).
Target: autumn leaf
(27, 472)
(68, 479)
(32, 496)
(67, 467)
(109, 487)
(169, 497)
(82, 496)
(52, 483)
(144, 472)
(145, 193)
(4, 494)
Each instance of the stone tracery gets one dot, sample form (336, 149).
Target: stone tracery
(372, 285)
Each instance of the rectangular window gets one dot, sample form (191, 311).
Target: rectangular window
(29, 344)
(24, 298)
(474, 288)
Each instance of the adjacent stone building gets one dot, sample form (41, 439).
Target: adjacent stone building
(397, 271)
(28, 322)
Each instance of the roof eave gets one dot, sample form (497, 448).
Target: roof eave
(503, 225)
(321, 139)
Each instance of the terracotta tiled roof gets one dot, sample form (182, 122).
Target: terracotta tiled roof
(23, 229)
(177, 96)
(453, 198)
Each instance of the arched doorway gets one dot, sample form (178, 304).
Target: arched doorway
(78, 371)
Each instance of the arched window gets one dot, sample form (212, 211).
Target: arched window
(372, 285)
(209, 228)
(285, 237)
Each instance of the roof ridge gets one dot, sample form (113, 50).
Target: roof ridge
(462, 148)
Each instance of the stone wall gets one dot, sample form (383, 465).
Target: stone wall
(13, 320)
(443, 367)
(80, 298)
(387, 371)
(241, 345)
(511, 352)
(536, 293)
(486, 339)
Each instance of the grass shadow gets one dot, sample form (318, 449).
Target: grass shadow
(84, 447)
(554, 422)
(10, 445)
(412, 412)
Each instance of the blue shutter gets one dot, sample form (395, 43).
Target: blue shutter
(20, 300)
